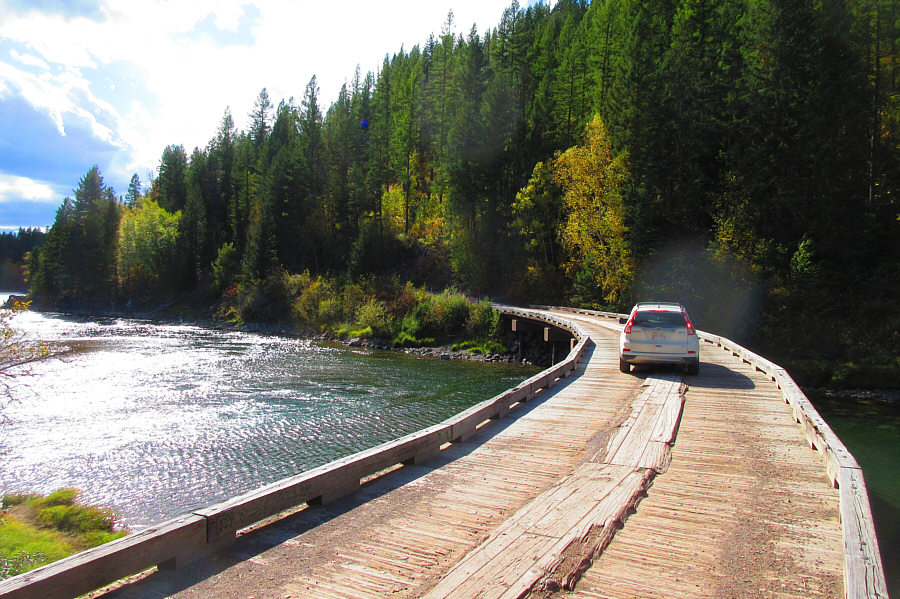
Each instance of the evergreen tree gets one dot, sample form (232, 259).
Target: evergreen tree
(170, 188)
(77, 265)
(134, 190)
(221, 196)
(312, 149)
(259, 119)
(195, 250)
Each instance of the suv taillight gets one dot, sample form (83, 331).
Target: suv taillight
(688, 324)
(630, 322)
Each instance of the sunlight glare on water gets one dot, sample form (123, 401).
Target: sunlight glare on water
(156, 420)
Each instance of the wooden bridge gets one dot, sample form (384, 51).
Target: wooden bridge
(600, 484)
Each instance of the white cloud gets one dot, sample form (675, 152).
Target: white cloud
(30, 60)
(22, 188)
(64, 96)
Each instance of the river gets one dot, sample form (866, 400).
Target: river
(158, 419)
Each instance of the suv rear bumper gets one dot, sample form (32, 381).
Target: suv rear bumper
(639, 358)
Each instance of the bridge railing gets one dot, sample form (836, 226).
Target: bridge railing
(863, 569)
(193, 535)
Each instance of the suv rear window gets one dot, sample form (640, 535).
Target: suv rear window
(665, 320)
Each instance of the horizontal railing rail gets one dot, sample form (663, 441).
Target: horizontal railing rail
(193, 535)
(863, 569)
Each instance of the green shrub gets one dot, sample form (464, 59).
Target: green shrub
(453, 311)
(56, 516)
(92, 519)
(306, 306)
(72, 517)
(226, 266)
(410, 325)
(294, 284)
(404, 339)
(352, 297)
(425, 318)
(483, 320)
(373, 314)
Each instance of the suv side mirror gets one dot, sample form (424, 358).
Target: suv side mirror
(623, 321)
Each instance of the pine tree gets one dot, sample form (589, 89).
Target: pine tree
(170, 187)
(312, 150)
(134, 190)
(220, 167)
(195, 249)
(259, 119)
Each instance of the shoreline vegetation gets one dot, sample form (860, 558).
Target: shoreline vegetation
(386, 316)
(36, 529)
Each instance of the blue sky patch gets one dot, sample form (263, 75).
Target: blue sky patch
(70, 9)
(29, 214)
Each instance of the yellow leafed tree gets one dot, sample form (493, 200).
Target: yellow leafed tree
(594, 232)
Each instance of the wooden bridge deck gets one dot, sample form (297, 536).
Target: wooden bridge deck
(739, 506)
(744, 510)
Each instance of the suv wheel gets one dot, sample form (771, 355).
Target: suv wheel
(624, 366)
(694, 367)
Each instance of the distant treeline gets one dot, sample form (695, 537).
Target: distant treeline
(14, 246)
(740, 156)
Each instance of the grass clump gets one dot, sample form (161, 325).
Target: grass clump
(404, 339)
(480, 346)
(37, 530)
(352, 331)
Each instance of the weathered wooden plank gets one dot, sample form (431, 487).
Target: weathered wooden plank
(863, 574)
(530, 545)
(667, 425)
(642, 440)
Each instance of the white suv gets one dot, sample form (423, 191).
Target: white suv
(659, 333)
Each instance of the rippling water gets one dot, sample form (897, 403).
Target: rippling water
(157, 420)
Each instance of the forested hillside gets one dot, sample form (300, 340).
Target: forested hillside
(739, 156)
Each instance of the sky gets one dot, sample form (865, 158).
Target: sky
(113, 82)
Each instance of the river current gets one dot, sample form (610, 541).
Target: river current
(157, 419)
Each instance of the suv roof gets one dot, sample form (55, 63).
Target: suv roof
(658, 306)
